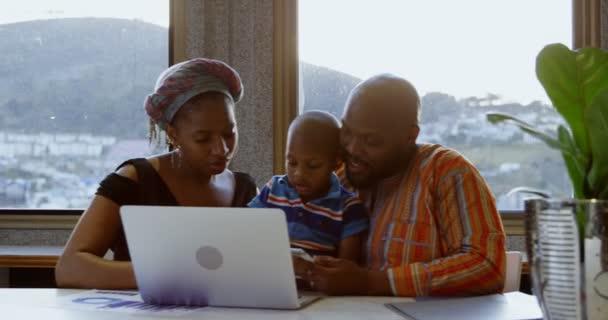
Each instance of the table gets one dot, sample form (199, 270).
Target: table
(45, 304)
(35, 263)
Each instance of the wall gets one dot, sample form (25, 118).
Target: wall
(604, 22)
(239, 32)
(34, 237)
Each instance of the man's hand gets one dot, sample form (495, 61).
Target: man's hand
(301, 268)
(338, 277)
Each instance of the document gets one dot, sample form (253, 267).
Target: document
(509, 306)
(121, 301)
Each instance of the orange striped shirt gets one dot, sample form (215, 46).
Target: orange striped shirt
(435, 229)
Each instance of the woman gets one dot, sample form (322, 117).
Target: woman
(193, 104)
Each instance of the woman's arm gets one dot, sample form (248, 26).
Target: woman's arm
(82, 264)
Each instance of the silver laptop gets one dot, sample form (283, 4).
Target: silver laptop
(230, 257)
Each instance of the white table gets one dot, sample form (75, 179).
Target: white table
(45, 304)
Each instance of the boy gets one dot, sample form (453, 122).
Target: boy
(322, 217)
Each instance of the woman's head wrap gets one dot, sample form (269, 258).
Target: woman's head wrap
(183, 81)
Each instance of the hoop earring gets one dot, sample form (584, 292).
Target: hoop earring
(177, 153)
(236, 149)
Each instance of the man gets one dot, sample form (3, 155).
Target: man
(434, 227)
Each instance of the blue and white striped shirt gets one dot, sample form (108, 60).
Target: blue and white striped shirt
(319, 225)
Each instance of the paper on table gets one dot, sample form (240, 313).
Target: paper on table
(510, 306)
(121, 301)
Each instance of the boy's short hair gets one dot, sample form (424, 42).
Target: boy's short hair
(320, 127)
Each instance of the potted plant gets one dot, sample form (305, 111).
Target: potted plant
(576, 82)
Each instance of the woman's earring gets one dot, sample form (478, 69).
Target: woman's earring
(179, 157)
(177, 153)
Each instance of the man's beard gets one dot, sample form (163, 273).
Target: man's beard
(359, 181)
(389, 167)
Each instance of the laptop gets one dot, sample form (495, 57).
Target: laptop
(225, 257)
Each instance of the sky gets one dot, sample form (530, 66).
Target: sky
(153, 11)
(460, 47)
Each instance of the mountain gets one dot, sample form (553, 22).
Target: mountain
(79, 75)
(91, 75)
(324, 88)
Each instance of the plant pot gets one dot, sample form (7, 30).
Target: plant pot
(568, 265)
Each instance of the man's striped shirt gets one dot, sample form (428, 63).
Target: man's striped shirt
(435, 229)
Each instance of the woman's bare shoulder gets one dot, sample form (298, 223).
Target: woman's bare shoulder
(129, 170)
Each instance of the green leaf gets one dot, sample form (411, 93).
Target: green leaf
(571, 80)
(597, 125)
(496, 118)
(576, 163)
(604, 193)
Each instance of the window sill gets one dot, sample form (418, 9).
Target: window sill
(514, 222)
(43, 219)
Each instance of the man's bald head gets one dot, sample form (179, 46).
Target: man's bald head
(388, 96)
(379, 128)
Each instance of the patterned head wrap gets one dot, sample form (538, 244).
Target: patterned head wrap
(182, 81)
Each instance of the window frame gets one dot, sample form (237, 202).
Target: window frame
(586, 23)
(285, 76)
(586, 32)
(177, 32)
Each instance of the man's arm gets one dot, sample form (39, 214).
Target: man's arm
(472, 231)
(475, 262)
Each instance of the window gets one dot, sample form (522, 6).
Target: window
(466, 58)
(74, 76)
